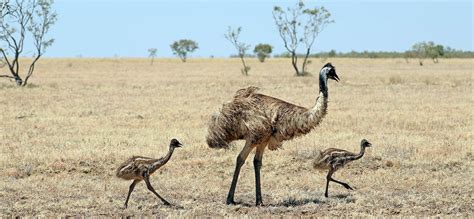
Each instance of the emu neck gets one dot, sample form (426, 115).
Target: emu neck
(323, 84)
(361, 153)
(303, 121)
(319, 110)
(162, 161)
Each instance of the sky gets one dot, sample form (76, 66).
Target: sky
(128, 28)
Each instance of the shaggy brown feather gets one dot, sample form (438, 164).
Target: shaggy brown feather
(259, 117)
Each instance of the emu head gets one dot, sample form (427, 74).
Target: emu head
(365, 143)
(330, 71)
(175, 143)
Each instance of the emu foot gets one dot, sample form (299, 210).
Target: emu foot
(259, 203)
(231, 202)
(347, 186)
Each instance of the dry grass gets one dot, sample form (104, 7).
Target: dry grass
(63, 137)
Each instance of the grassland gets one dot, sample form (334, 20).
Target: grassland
(62, 138)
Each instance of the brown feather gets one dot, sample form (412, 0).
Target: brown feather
(261, 118)
(133, 167)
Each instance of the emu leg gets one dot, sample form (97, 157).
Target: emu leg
(148, 185)
(342, 183)
(257, 163)
(240, 161)
(328, 178)
(130, 190)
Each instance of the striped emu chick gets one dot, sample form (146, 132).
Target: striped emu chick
(333, 159)
(138, 168)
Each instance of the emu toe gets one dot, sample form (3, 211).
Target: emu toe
(232, 202)
(347, 186)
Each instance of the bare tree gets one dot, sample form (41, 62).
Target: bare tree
(152, 54)
(2, 62)
(233, 36)
(18, 19)
(300, 25)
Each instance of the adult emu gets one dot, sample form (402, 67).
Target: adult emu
(264, 121)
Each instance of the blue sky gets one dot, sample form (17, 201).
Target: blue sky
(127, 28)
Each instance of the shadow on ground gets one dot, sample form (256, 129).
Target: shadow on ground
(292, 202)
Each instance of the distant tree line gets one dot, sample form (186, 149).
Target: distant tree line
(418, 51)
(448, 53)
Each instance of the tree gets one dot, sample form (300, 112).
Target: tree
(332, 53)
(300, 25)
(2, 63)
(182, 47)
(407, 55)
(152, 54)
(233, 36)
(419, 49)
(429, 49)
(434, 51)
(263, 51)
(20, 19)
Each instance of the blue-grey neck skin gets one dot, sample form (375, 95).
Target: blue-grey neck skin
(323, 81)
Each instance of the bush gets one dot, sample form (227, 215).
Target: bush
(262, 51)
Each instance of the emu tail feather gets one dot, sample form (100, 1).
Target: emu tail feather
(217, 135)
(246, 92)
(226, 125)
(119, 172)
(319, 161)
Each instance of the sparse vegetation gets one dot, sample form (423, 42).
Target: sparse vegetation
(181, 48)
(152, 54)
(300, 26)
(60, 159)
(19, 20)
(263, 51)
(395, 79)
(407, 55)
(419, 51)
(424, 50)
(68, 125)
(233, 36)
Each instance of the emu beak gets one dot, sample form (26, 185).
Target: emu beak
(336, 78)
